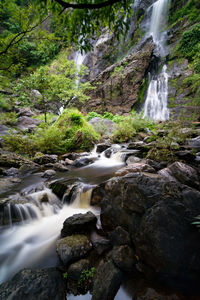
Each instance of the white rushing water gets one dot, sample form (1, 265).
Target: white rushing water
(155, 106)
(31, 242)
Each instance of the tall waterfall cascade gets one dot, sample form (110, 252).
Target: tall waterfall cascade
(155, 106)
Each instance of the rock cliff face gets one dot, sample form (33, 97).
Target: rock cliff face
(118, 85)
(123, 85)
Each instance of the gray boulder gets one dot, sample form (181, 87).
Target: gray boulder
(41, 284)
(73, 248)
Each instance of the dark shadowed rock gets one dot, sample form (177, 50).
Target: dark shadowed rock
(158, 214)
(79, 223)
(60, 186)
(82, 162)
(60, 168)
(195, 143)
(123, 257)
(73, 247)
(42, 284)
(107, 281)
(43, 159)
(102, 147)
(119, 237)
(74, 271)
(100, 243)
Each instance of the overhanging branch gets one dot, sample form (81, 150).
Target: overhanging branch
(87, 5)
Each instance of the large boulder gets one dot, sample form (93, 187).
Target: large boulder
(41, 284)
(158, 214)
(107, 281)
(43, 159)
(73, 247)
(79, 223)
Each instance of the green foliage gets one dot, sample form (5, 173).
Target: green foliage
(49, 117)
(8, 118)
(189, 42)
(56, 82)
(81, 26)
(65, 275)
(5, 104)
(107, 115)
(165, 143)
(189, 9)
(85, 280)
(19, 143)
(130, 126)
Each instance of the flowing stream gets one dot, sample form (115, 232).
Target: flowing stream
(30, 242)
(155, 106)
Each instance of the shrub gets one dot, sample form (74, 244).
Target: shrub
(8, 118)
(19, 143)
(188, 45)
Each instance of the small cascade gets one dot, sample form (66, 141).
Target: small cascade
(155, 106)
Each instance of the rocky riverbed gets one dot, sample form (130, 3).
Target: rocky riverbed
(144, 231)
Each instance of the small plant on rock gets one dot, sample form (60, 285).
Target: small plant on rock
(85, 280)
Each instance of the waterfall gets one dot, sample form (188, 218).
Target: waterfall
(155, 106)
(79, 58)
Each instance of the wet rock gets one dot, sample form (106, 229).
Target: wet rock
(185, 174)
(82, 162)
(73, 247)
(71, 156)
(7, 183)
(36, 94)
(68, 162)
(11, 172)
(156, 165)
(134, 168)
(60, 186)
(119, 237)
(43, 159)
(167, 174)
(60, 168)
(13, 160)
(79, 223)
(195, 143)
(38, 284)
(27, 124)
(123, 257)
(185, 155)
(102, 147)
(97, 195)
(49, 174)
(100, 243)
(137, 145)
(75, 269)
(107, 281)
(29, 168)
(134, 159)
